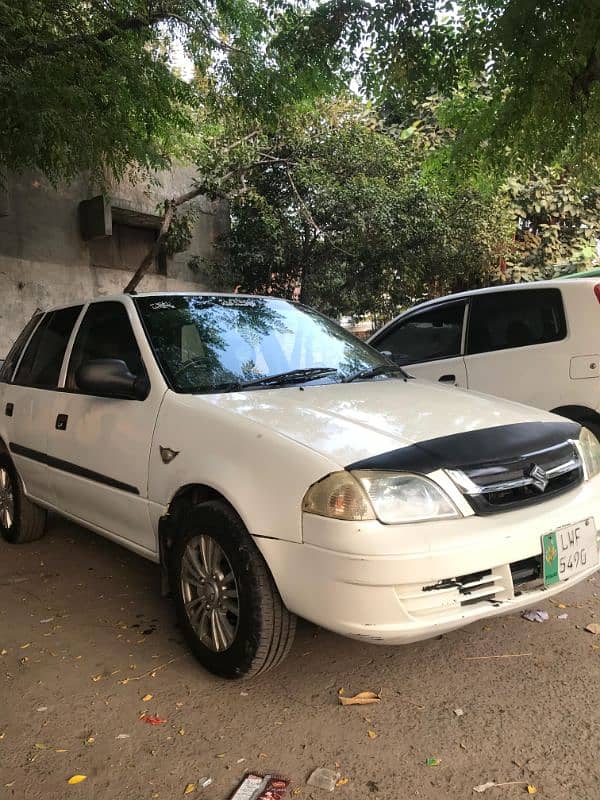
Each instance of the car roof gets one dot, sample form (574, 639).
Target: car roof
(122, 296)
(558, 283)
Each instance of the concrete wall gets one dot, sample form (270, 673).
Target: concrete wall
(45, 262)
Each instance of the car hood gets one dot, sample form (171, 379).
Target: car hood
(351, 422)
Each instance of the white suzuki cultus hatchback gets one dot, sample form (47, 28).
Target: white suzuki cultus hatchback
(276, 466)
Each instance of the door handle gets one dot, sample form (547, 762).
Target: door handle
(61, 422)
(10, 407)
(447, 379)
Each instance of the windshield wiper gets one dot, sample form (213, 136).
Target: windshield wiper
(372, 372)
(283, 378)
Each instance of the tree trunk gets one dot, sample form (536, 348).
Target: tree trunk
(171, 207)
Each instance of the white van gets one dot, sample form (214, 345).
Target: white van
(534, 343)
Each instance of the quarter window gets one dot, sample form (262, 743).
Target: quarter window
(426, 336)
(44, 355)
(105, 332)
(503, 320)
(12, 359)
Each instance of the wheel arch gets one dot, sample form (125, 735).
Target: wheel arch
(194, 494)
(581, 414)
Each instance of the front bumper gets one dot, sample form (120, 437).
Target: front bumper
(395, 584)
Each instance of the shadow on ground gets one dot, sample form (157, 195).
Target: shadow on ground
(85, 635)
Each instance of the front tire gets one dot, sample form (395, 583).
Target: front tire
(227, 603)
(21, 520)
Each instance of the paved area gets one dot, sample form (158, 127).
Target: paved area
(84, 636)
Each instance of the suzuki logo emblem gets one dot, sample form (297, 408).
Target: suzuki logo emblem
(538, 476)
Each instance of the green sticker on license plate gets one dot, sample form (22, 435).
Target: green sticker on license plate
(550, 558)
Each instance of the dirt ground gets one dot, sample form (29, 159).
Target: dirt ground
(80, 615)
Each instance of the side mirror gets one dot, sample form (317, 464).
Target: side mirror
(110, 377)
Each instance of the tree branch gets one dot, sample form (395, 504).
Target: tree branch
(590, 74)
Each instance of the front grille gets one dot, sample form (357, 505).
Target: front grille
(531, 478)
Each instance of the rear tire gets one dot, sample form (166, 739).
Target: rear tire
(227, 603)
(21, 520)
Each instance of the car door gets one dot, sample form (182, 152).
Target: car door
(517, 346)
(100, 446)
(429, 343)
(29, 397)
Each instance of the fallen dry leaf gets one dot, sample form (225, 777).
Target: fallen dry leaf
(220, 755)
(593, 627)
(360, 699)
(152, 719)
(25, 646)
(8, 785)
(490, 785)
(147, 697)
(342, 781)
(531, 789)
(77, 779)
(190, 787)
(372, 734)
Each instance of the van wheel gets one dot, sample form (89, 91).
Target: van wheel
(20, 520)
(227, 603)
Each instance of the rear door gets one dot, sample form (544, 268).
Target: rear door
(429, 343)
(517, 346)
(28, 400)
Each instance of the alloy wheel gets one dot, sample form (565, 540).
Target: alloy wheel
(7, 500)
(210, 593)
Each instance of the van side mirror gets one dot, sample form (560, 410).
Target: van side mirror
(110, 377)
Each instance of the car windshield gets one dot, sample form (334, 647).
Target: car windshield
(219, 343)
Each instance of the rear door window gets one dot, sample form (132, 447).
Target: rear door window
(426, 336)
(504, 320)
(42, 361)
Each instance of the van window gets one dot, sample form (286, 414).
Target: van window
(426, 335)
(502, 320)
(44, 355)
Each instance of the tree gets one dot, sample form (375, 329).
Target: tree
(89, 84)
(334, 207)
(526, 72)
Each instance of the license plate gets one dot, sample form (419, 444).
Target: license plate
(569, 550)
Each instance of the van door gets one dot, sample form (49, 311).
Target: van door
(429, 343)
(517, 346)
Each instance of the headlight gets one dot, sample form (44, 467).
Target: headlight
(589, 447)
(394, 498)
(398, 498)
